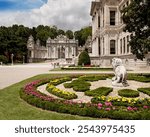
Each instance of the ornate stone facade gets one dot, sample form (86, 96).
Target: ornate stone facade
(60, 48)
(108, 38)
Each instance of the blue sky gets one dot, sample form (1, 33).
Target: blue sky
(13, 5)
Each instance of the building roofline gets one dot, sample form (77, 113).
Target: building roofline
(94, 5)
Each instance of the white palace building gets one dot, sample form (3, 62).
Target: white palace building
(108, 38)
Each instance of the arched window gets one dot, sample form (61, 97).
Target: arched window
(112, 47)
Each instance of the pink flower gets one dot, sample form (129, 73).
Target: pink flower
(108, 104)
(100, 104)
(135, 108)
(129, 108)
(107, 109)
(145, 107)
(99, 107)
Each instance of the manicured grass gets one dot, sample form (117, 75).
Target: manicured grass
(14, 108)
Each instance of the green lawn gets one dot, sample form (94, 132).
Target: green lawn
(14, 108)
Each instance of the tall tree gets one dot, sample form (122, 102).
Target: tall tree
(136, 17)
(69, 34)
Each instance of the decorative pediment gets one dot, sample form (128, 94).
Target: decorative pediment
(62, 38)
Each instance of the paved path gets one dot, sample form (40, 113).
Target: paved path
(12, 74)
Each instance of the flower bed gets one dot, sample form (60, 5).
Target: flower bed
(102, 91)
(60, 93)
(101, 107)
(128, 93)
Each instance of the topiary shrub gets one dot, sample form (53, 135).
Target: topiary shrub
(102, 91)
(84, 59)
(128, 93)
(78, 85)
(3, 59)
(145, 90)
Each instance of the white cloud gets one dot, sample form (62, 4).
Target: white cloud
(66, 14)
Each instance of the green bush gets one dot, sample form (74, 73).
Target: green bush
(58, 81)
(139, 77)
(102, 91)
(84, 59)
(3, 59)
(128, 93)
(92, 78)
(78, 85)
(145, 90)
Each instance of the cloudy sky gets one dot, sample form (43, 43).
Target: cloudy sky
(66, 14)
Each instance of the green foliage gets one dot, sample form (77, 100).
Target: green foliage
(69, 34)
(84, 58)
(78, 85)
(93, 78)
(3, 59)
(86, 68)
(139, 77)
(136, 16)
(58, 81)
(145, 90)
(82, 35)
(128, 93)
(102, 91)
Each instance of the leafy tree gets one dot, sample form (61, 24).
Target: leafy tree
(69, 34)
(136, 17)
(84, 58)
(61, 32)
(82, 35)
(3, 59)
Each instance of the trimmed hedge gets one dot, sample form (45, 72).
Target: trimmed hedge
(139, 77)
(93, 78)
(145, 90)
(128, 93)
(58, 81)
(102, 91)
(78, 85)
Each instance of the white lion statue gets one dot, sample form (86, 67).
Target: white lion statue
(120, 72)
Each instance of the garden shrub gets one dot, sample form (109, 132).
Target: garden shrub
(101, 91)
(128, 93)
(139, 77)
(145, 90)
(92, 78)
(84, 59)
(78, 85)
(58, 81)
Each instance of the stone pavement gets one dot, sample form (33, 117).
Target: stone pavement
(12, 74)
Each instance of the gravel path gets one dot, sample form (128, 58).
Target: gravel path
(101, 83)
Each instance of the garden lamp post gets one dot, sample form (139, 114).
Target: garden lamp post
(12, 59)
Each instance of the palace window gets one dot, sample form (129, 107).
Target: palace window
(120, 46)
(99, 24)
(112, 17)
(112, 47)
(124, 45)
(128, 47)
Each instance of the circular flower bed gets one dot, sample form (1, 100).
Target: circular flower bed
(100, 106)
(128, 93)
